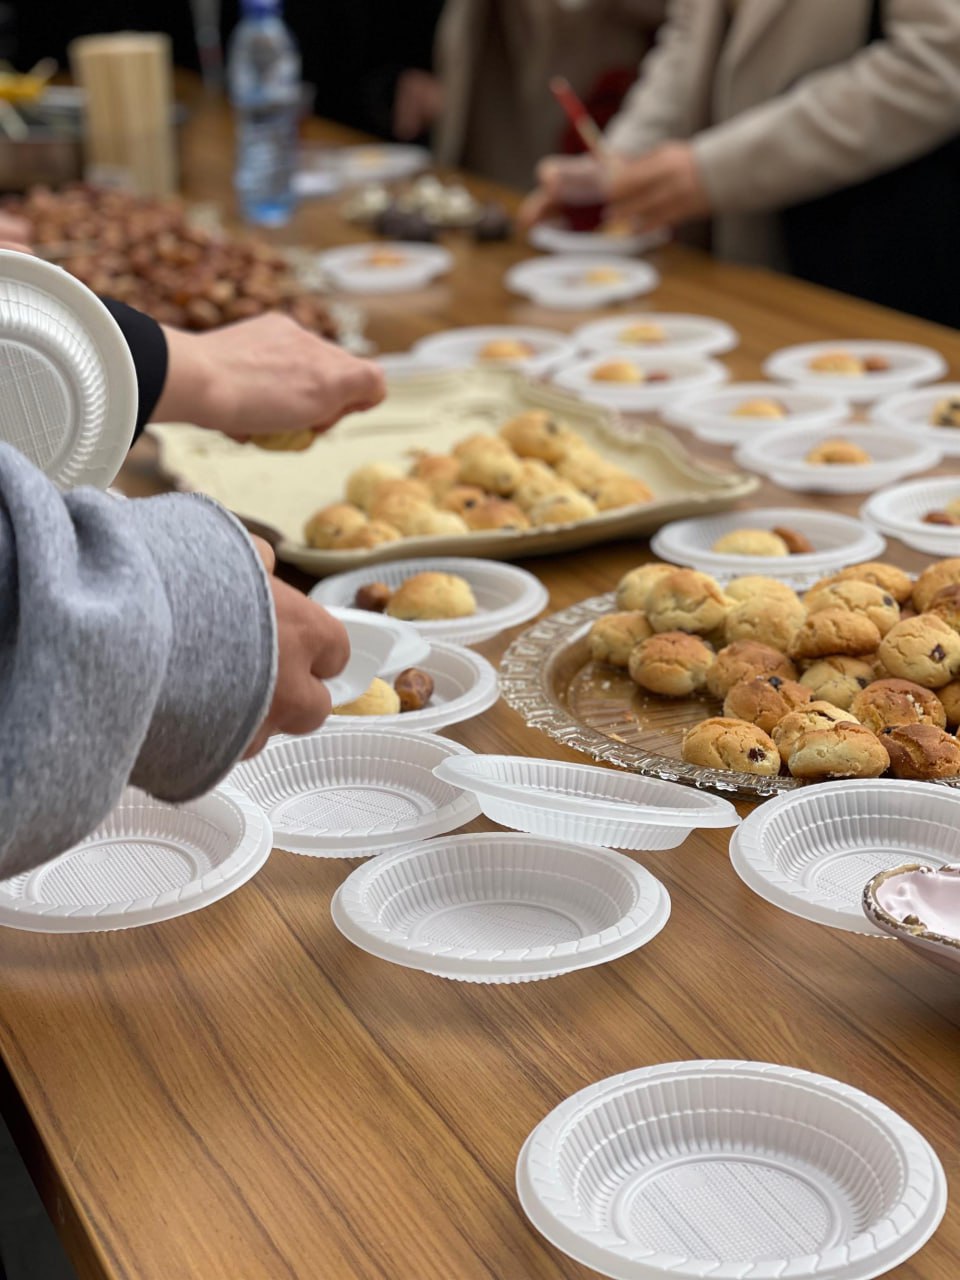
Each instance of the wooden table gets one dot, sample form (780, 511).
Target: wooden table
(241, 1094)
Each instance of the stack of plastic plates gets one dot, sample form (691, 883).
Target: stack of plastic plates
(349, 793)
(586, 804)
(537, 350)
(909, 365)
(500, 908)
(899, 512)
(658, 333)
(571, 282)
(912, 414)
(740, 1170)
(661, 378)
(781, 457)
(811, 852)
(711, 415)
(384, 266)
(147, 862)
(506, 596)
(838, 541)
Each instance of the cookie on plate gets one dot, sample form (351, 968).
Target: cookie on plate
(438, 471)
(933, 579)
(584, 467)
(721, 743)
(946, 605)
(619, 491)
(815, 715)
(767, 620)
(764, 700)
(949, 697)
(891, 702)
(834, 631)
(379, 699)
(743, 660)
(562, 508)
(842, 751)
(537, 434)
(751, 586)
(461, 498)
(372, 534)
(330, 523)
(750, 542)
(538, 481)
(489, 463)
(922, 649)
(686, 600)
(673, 663)
(888, 577)
(429, 596)
(285, 441)
(858, 597)
(495, 513)
(613, 638)
(760, 407)
(404, 512)
(946, 412)
(634, 587)
(832, 453)
(922, 751)
(838, 680)
(363, 483)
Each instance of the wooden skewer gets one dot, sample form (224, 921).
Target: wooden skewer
(578, 115)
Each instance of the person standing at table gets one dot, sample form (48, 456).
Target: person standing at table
(821, 138)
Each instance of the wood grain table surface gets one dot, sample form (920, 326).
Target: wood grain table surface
(240, 1094)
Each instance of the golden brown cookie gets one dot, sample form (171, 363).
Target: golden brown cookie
(946, 412)
(367, 536)
(890, 702)
(767, 620)
(538, 481)
(673, 664)
(922, 752)
(815, 715)
(933, 579)
(842, 363)
(761, 407)
(892, 580)
(946, 605)
(613, 638)
(462, 498)
(330, 523)
(764, 700)
(923, 649)
(642, 332)
(495, 513)
(505, 349)
(834, 631)
(616, 371)
(720, 743)
(405, 487)
(859, 597)
(488, 462)
(753, 586)
(584, 467)
(537, 434)
(404, 512)
(750, 542)
(949, 697)
(838, 680)
(634, 587)
(427, 596)
(842, 751)
(832, 453)
(743, 660)
(562, 508)
(380, 699)
(285, 441)
(430, 522)
(686, 600)
(438, 471)
(362, 483)
(619, 491)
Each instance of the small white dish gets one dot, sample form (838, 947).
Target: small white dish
(506, 596)
(408, 647)
(711, 415)
(740, 1170)
(352, 792)
(572, 282)
(919, 905)
(557, 237)
(464, 685)
(384, 266)
(147, 862)
(898, 512)
(501, 907)
(911, 411)
(682, 335)
(377, 162)
(838, 541)
(370, 646)
(781, 457)
(910, 365)
(810, 852)
(585, 804)
(685, 374)
(463, 348)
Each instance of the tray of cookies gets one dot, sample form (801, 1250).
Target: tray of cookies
(480, 463)
(748, 688)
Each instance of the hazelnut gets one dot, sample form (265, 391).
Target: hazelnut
(414, 689)
(797, 544)
(875, 364)
(374, 597)
(938, 517)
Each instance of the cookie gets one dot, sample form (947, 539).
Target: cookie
(285, 441)
(946, 605)
(406, 513)
(949, 697)
(537, 434)
(405, 487)
(764, 700)
(815, 715)
(858, 597)
(922, 649)
(834, 631)
(584, 467)
(642, 332)
(619, 491)
(461, 498)
(933, 579)
(922, 752)
(616, 371)
(832, 453)
(380, 699)
(753, 585)
(750, 542)
(428, 596)
(761, 407)
(505, 349)
(841, 363)
(562, 508)
(766, 620)
(538, 481)
(613, 638)
(495, 513)
(892, 580)
(686, 600)
(842, 751)
(372, 534)
(634, 587)
(489, 463)
(743, 660)
(720, 743)
(431, 523)
(362, 483)
(838, 680)
(946, 412)
(673, 664)
(438, 471)
(890, 702)
(327, 525)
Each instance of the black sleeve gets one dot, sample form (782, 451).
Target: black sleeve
(148, 346)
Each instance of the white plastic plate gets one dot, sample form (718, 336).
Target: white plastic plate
(464, 685)
(687, 373)
(910, 365)
(408, 647)
(147, 862)
(683, 334)
(899, 512)
(68, 387)
(910, 413)
(378, 162)
(781, 456)
(370, 647)
(710, 414)
(461, 348)
(506, 596)
(563, 281)
(500, 908)
(811, 852)
(556, 237)
(739, 1170)
(839, 541)
(352, 792)
(351, 267)
(584, 804)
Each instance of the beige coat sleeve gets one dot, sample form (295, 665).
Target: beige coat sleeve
(886, 105)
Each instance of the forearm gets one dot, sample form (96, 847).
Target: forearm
(659, 106)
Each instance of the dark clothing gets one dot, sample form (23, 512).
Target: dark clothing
(148, 347)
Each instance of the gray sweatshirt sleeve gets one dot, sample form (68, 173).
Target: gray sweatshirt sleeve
(137, 645)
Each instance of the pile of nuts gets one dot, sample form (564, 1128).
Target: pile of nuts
(145, 252)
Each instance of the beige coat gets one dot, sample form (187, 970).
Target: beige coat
(785, 101)
(496, 57)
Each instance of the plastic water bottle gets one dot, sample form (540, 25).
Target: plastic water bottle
(263, 70)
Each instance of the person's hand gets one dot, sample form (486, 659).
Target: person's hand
(311, 647)
(418, 101)
(14, 232)
(263, 376)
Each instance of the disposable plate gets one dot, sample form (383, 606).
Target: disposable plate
(555, 237)
(461, 348)
(734, 1170)
(812, 851)
(910, 365)
(685, 373)
(711, 415)
(408, 647)
(682, 334)
(570, 281)
(370, 648)
(910, 413)
(781, 456)
(147, 862)
(355, 269)
(585, 804)
(352, 792)
(899, 511)
(920, 906)
(500, 908)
